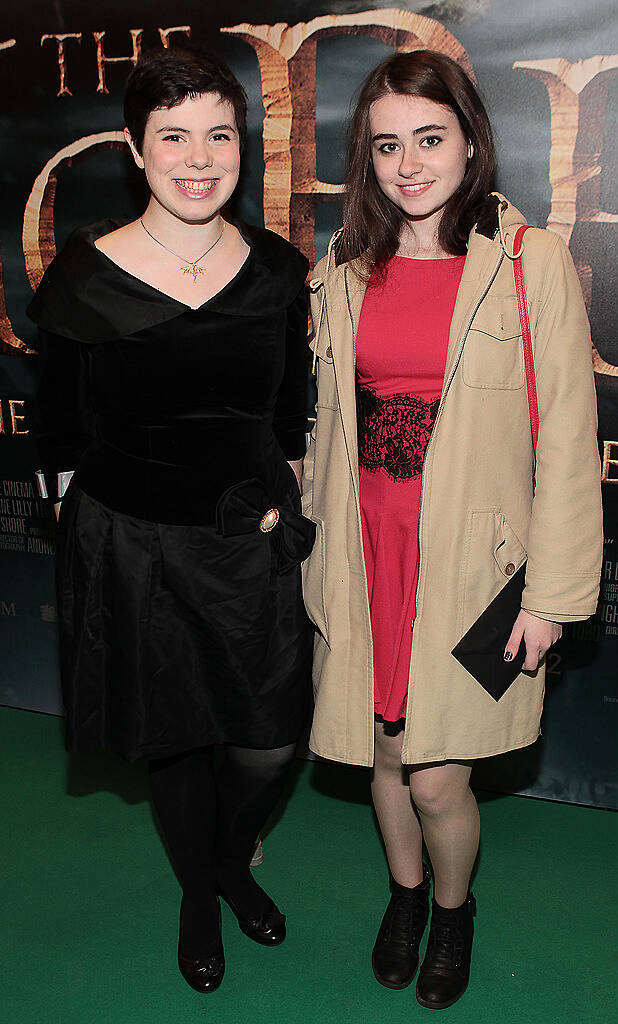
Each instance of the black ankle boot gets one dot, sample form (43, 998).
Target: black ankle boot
(445, 971)
(395, 953)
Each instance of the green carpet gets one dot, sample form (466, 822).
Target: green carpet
(90, 905)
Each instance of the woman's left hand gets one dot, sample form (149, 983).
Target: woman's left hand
(538, 634)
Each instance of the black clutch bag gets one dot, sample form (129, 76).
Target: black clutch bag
(481, 650)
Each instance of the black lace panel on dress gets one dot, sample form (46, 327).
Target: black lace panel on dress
(393, 432)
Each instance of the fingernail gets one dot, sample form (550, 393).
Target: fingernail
(508, 655)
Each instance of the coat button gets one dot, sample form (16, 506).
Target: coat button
(269, 520)
(329, 353)
(509, 569)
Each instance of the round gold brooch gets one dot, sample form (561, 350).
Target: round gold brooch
(269, 520)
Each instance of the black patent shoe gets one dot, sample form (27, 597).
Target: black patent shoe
(445, 971)
(268, 929)
(203, 972)
(395, 953)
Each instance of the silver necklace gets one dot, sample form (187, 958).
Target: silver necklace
(192, 265)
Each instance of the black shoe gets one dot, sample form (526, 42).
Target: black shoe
(395, 953)
(268, 929)
(445, 971)
(203, 972)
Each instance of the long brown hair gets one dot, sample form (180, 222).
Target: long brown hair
(372, 222)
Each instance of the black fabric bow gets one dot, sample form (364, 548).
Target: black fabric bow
(240, 510)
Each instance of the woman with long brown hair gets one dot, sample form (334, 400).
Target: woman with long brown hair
(419, 478)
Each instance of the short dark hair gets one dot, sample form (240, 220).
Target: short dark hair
(165, 78)
(371, 222)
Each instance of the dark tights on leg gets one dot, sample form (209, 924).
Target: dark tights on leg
(211, 824)
(249, 784)
(184, 796)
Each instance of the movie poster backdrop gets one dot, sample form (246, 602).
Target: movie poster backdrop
(549, 75)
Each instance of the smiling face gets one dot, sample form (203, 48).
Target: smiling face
(191, 156)
(419, 154)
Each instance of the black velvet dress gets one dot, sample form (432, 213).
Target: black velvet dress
(180, 609)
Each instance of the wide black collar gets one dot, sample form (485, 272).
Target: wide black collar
(87, 297)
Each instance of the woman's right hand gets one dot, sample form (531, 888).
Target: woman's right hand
(538, 635)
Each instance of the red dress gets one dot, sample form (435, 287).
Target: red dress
(401, 347)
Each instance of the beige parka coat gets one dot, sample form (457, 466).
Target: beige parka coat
(479, 516)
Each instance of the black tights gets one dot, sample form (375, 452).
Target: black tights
(211, 821)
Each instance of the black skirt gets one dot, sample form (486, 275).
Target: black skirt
(179, 636)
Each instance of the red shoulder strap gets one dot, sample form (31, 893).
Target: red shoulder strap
(520, 289)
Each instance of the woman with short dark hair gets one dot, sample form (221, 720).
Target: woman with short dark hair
(419, 477)
(173, 397)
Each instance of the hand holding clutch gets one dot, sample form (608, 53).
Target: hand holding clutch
(482, 650)
(538, 636)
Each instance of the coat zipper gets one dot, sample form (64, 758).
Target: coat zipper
(349, 304)
(347, 297)
(440, 407)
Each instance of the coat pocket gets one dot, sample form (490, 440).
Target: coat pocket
(324, 368)
(492, 555)
(493, 352)
(313, 572)
(325, 378)
(320, 345)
